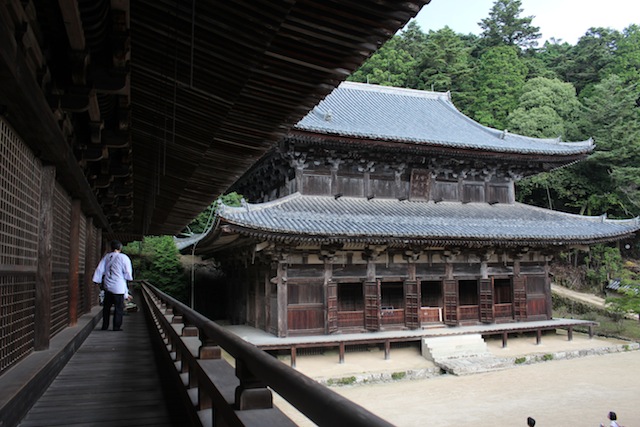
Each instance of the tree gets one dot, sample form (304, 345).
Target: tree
(445, 61)
(626, 57)
(585, 63)
(389, 66)
(156, 259)
(505, 27)
(614, 121)
(547, 108)
(498, 80)
(205, 218)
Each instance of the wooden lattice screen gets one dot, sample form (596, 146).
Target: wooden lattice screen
(81, 265)
(60, 260)
(20, 179)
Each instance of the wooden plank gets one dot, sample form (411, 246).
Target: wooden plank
(112, 379)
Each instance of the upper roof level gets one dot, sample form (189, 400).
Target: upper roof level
(372, 112)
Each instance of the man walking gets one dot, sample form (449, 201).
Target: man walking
(113, 271)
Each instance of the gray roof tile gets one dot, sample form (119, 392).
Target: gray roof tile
(424, 118)
(307, 216)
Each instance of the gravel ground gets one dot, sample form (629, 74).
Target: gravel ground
(573, 392)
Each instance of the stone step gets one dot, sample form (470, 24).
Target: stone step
(462, 354)
(474, 365)
(453, 347)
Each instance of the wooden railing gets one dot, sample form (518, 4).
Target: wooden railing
(221, 396)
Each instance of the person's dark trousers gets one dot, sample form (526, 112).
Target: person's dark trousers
(116, 300)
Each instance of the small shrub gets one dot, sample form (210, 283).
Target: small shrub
(346, 381)
(520, 360)
(398, 375)
(626, 347)
(547, 357)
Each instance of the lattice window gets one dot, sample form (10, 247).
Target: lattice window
(61, 230)
(19, 222)
(17, 301)
(59, 303)
(19, 200)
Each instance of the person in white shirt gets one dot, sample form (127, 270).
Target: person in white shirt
(112, 272)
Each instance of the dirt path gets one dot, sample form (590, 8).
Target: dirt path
(578, 296)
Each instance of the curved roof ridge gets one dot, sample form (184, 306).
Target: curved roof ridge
(418, 117)
(396, 90)
(595, 218)
(250, 207)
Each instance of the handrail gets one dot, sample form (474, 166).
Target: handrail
(256, 370)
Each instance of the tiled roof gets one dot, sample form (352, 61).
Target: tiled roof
(413, 116)
(358, 219)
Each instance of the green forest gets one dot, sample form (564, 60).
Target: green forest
(502, 78)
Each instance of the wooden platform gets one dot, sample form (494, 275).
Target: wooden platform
(111, 380)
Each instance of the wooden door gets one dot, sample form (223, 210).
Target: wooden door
(450, 302)
(486, 301)
(520, 298)
(332, 307)
(372, 305)
(412, 304)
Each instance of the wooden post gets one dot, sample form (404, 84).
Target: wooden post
(44, 274)
(538, 336)
(341, 353)
(293, 356)
(387, 349)
(74, 262)
(209, 348)
(570, 333)
(252, 393)
(504, 339)
(283, 323)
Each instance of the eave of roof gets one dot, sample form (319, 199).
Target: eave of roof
(418, 117)
(326, 220)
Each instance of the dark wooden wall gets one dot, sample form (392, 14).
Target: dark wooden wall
(45, 253)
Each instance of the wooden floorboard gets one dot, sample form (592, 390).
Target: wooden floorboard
(112, 380)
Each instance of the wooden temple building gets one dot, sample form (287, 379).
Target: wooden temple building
(386, 209)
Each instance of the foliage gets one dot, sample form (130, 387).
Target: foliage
(389, 66)
(604, 263)
(201, 223)
(156, 259)
(498, 78)
(547, 108)
(612, 118)
(505, 27)
(445, 63)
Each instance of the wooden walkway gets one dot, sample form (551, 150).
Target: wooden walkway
(112, 380)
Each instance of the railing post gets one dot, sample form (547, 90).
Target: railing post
(208, 349)
(188, 330)
(252, 393)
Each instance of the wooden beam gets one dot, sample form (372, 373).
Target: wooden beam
(44, 275)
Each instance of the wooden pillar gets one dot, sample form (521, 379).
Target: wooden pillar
(330, 295)
(341, 352)
(74, 261)
(267, 302)
(293, 356)
(371, 293)
(283, 321)
(44, 274)
(547, 288)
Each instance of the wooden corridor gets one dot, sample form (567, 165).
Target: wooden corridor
(112, 380)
